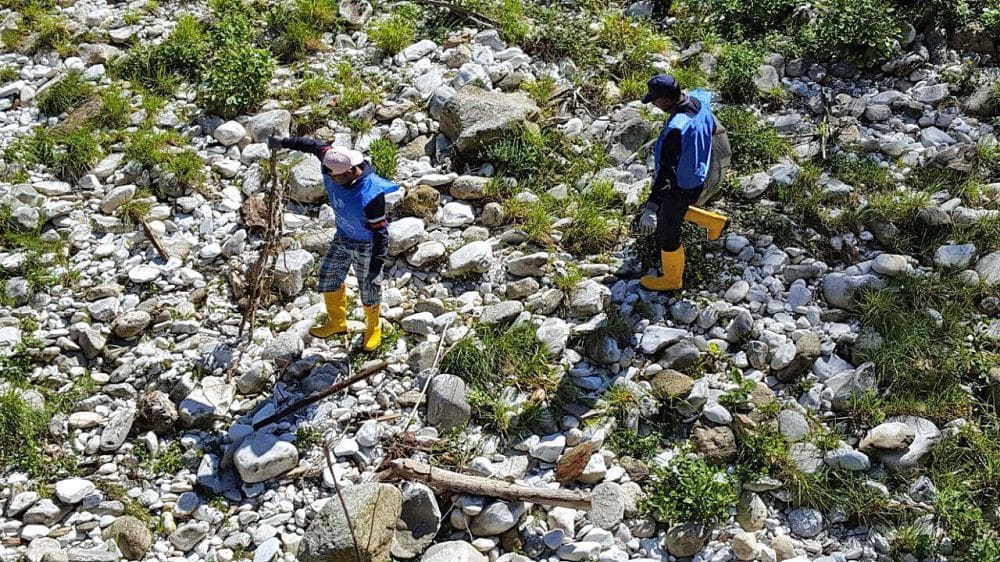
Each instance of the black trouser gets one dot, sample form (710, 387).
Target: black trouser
(674, 204)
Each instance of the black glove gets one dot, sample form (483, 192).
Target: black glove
(274, 143)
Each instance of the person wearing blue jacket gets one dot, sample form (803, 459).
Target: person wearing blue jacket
(682, 156)
(357, 195)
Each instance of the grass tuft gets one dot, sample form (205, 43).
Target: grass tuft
(64, 94)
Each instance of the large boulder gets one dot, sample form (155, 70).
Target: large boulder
(419, 522)
(262, 457)
(474, 257)
(447, 406)
(305, 183)
(474, 117)
(453, 551)
(372, 511)
(131, 535)
(839, 289)
(263, 125)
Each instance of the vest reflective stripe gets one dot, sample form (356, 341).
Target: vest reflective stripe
(696, 142)
(349, 204)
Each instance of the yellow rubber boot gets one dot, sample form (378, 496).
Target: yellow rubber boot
(712, 222)
(336, 314)
(373, 327)
(673, 272)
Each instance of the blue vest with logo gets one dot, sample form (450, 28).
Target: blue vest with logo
(349, 203)
(696, 142)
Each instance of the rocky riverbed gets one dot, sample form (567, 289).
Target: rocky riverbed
(515, 348)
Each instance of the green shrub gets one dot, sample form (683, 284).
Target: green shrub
(755, 145)
(391, 34)
(148, 149)
(737, 72)
(384, 153)
(689, 78)
(688, 490)
(864, 31)
(950, 14)
(236, 80)
(745, 19)
(632, 42)
(625, 442)
(64, 95)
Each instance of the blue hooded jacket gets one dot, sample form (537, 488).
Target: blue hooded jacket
(695, 142)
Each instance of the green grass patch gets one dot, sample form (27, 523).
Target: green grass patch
(8, 73)
(924, 355)
(116, 109)
(159, 68)
(862, 173)
(392, 33)
(498, 356)
(69, 156)
(64, 95)
(163, 150)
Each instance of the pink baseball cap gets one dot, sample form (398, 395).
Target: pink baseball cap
(339, 159)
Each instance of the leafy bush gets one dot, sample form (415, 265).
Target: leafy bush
(237, 79)
(864, 31)
(625, 442)
(391, 34)
(64, 95)
(737, 72)
(755, 145)
(633, 42)
(294, 31)
(688, 490)
(744, 19)
(384, 153)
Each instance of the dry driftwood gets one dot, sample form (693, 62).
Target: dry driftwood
(305, 402)
(446, 480)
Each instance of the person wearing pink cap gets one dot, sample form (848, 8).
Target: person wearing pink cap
(357, 195)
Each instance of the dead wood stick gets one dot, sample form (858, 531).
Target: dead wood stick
(151, 236)
(446, 480)
(306, 402)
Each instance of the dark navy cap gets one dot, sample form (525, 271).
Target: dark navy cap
(659, 86)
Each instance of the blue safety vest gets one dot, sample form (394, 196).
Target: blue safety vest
(696, 142)
(349, 203)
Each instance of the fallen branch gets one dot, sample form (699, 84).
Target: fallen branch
(151, 236)
(446, 480)
(306, 402)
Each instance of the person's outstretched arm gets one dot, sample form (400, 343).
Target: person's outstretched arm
(301, 144)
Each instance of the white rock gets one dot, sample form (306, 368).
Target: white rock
(229, 133)
(73, 490)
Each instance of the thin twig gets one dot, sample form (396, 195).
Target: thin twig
(427, 383)
(343, 504)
